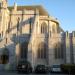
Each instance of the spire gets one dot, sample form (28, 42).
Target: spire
(15, 6)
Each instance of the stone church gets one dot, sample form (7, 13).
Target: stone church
(30, 33)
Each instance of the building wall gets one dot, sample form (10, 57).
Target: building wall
(28, 26)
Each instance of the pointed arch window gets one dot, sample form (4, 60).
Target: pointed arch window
(42, 51)
(58, 51)
(43, 27)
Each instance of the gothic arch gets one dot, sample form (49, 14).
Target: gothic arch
(58, 51)
(42, 51)
(44, 28)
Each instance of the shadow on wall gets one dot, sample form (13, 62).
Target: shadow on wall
(19, 24)
(20, 38)
(9, 50)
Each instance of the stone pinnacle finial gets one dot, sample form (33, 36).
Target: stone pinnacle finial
(15, 6)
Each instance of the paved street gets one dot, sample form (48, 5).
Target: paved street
(15, 73)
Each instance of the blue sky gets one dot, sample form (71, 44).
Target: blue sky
(64, 10)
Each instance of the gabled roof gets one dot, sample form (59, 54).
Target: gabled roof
(42, 11)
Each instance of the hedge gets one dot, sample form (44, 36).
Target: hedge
(68, 68)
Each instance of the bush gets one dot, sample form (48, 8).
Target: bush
(68, 68)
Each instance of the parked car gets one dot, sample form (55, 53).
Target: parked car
(24, 66)
(56, 69)
(40, 69)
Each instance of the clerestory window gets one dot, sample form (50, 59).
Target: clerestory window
(43, 27)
